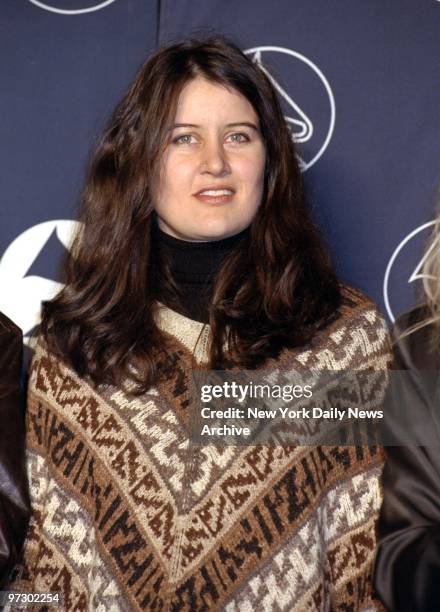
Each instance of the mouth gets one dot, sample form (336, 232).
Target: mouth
(217, 195)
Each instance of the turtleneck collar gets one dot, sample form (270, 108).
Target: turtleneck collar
(193, 266)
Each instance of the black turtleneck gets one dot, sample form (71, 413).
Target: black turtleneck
(193, 266)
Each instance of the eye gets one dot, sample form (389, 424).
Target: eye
(183, 139)
(238, 138)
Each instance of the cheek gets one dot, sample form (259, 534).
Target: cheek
(176, 175)
(252, 172)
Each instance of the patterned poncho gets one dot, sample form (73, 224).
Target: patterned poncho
(128, 515)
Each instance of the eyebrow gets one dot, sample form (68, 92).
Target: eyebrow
(235, 124)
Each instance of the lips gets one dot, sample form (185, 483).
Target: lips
(215, 194)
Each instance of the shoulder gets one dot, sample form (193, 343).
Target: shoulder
(11, 350)
(356, 338)
(357, 308)
(358, 322)
(48, 374)
(9, 332)
(416, 340)
(43, 357)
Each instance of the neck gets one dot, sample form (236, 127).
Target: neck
(192, 266)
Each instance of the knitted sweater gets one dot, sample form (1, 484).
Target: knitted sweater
(127, 515)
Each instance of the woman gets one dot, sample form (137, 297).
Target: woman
(197, 251)
(407, 569)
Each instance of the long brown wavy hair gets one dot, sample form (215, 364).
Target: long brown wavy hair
(275, 291)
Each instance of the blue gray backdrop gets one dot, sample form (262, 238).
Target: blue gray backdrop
(359, 81)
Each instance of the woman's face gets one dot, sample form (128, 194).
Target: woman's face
(212, 171)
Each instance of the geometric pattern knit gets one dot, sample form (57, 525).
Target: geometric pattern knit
(127, 515)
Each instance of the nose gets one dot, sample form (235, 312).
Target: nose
(214, 159)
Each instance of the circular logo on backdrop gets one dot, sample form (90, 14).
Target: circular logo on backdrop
(70, 7)
(405, 268)
(28, 270)
(306, 97)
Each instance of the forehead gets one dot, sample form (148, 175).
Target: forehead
(203, 100)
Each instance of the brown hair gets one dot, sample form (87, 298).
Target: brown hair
(275, 291)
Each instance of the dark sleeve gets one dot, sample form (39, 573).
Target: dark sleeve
(407, 569)
(14, 501)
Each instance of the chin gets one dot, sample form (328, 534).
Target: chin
(217, 231)
(215, 235)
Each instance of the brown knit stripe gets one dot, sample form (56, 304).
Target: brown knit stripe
(287, 576)
(353, 551)
(287, 500)
(352, 526)
(229, 557)
(106, 434)
(50, 573)
(118, 528)
(69, 533)
(82, 472)
(158, 441)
